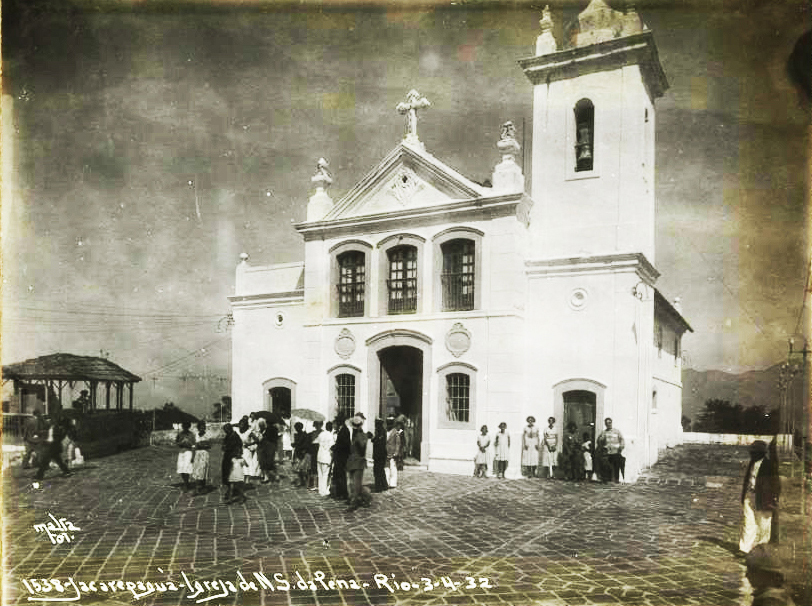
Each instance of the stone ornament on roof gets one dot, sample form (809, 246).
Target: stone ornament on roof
(507, 175)
(322, 177)
(545, 43)
(409, 108)
(598, 23)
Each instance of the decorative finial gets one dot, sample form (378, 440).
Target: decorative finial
(322, 177)
(507, 175)
(545, 43)
(244, 257)
(409, 107)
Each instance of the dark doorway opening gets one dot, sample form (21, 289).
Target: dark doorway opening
(280, 400)
(402, 392)
(579, 408)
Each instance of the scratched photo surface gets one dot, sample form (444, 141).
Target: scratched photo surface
(147, 145)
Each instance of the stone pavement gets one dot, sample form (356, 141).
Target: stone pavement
(436, 539)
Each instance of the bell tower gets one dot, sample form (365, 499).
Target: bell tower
(593, 136)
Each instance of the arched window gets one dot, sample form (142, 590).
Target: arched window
(584, 135)
(345, 394)
(458, 397)
(458, 275)
(401, 283)
(351, 283)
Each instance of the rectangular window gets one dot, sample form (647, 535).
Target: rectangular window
(402, 282)
(345, 395)
(458, 397)
(458, 275)
(351, 276)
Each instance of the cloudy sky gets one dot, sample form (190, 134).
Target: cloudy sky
(146, 145)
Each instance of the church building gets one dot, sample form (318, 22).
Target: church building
(425, 294)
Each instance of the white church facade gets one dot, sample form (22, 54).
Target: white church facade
(458, 305)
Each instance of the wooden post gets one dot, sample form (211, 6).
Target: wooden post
(131, 396)
(107, 399)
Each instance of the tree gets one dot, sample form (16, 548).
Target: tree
(222, 409)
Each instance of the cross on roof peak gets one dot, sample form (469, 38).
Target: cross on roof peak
(409, 107)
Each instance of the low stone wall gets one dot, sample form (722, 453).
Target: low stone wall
(166, 437)
(732, 439)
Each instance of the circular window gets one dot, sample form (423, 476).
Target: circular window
(278, 318)
(578, 299)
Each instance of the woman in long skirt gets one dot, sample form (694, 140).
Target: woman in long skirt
(530, 448)
(231, 467)
(185, 440)
(266, 451)
(379, 456)
(200, 465)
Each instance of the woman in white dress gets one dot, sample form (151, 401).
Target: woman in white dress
(185, 440)
(249, 452)
(549, 450)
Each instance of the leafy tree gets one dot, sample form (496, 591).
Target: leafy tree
(720, 416)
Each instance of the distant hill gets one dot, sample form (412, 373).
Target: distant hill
(752, 388)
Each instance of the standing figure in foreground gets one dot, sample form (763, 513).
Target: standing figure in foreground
(610, 446)
(573, 454)
(586, 446)
(324, 458)
(357, 462)
(530, 448)
(759, 497)
(250, 439)
(549, 450)
(341, 452)
(231, 467)
(200, 464)
(266, 451)
(501, 451)
(379, 456)
(185, 440)
(394, 452)
(483, 442)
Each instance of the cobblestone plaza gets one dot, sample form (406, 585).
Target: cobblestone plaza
(436, 539)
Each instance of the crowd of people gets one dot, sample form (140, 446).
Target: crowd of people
(330, 459)
(579, 459)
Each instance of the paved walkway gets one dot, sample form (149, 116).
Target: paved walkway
(436, 539)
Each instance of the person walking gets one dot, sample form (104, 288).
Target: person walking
(301, 456)
(185, 440)
(501, 447)
(50, 449)
(379, 456)
(357, 462)
(324, 458)
(200, 463)
(483, 442)
(759, 497)
(530, 448)
(35, 434)
(610, 445)
(549, 450)
(232, 466)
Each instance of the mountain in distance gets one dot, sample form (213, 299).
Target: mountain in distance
(752, 388)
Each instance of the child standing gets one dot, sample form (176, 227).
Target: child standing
(501, 444)
(483, 442)
(587, 448)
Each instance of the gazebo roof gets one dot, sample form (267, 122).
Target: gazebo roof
(68, 367)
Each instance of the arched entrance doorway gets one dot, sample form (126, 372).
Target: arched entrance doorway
(401, 372)
(579, 408)
(398, 363)
(280, 395)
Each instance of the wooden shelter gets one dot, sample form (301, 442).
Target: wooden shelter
(48, 375)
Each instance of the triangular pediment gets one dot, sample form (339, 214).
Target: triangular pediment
(407, 178)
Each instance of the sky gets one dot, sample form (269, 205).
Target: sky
(147, 144)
